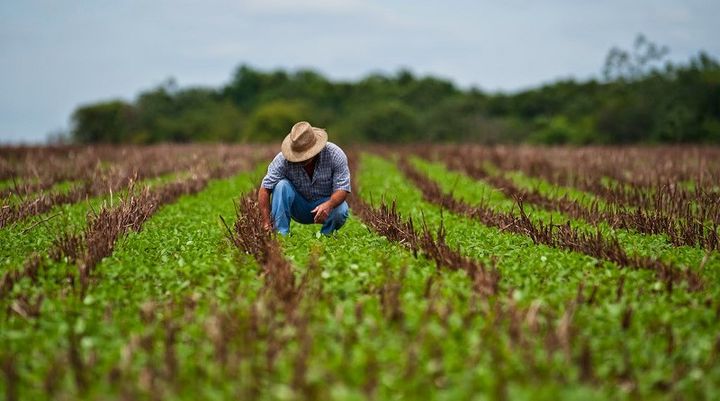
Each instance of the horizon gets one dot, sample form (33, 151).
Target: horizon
(55, 57)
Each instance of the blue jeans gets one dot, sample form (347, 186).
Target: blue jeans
(288, 203)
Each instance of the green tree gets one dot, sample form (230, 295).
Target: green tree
(103, 122)
(272, 121)
(559, 130)
(637, 101)
(390, 121)
(248, 85)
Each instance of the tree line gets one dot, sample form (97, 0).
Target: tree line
(641, 98)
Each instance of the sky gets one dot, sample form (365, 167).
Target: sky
(56, 55)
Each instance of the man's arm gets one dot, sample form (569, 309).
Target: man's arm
(322, 211)
(337, 198)
(275, 172)
(264, 205)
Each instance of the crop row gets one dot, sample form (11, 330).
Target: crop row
(432, 305)
(676, 184)
(561, 236)
(135, 164)
(43, 289)
(113, 221)
(543, 234)
(642, 167)
(36, 168)
(501, 320)
(631, 296)
(687, 230)
(385, 221)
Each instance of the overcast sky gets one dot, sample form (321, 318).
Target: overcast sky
(55, 55)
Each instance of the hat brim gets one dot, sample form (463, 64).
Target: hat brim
(292, 156)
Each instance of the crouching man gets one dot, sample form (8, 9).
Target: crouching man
(308, 180)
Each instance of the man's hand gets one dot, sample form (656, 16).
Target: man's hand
(322, 211)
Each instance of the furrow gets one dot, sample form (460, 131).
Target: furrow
(613, 175)
(561, 236)
(147, 270)
(687, 231)
(98, 181)
(387, 222)
(104, 228)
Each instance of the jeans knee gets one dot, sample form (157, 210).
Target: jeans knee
(283, 191)
(343, 210)
(340, 213)
(282, 186)
(336, 219)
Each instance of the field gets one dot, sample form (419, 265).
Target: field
(464, 272)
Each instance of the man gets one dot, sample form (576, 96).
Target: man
(308, 180)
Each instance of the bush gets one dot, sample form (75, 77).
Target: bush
(103, 122)
(389, 122)
(272, 121)
(559, 130)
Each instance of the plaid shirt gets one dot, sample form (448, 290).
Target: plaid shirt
(331, 174)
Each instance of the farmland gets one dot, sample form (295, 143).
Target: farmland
(464, 272)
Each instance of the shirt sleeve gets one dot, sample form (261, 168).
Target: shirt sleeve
(275, 172)
(340, 171)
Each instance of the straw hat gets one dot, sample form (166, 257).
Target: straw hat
(303, 142)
